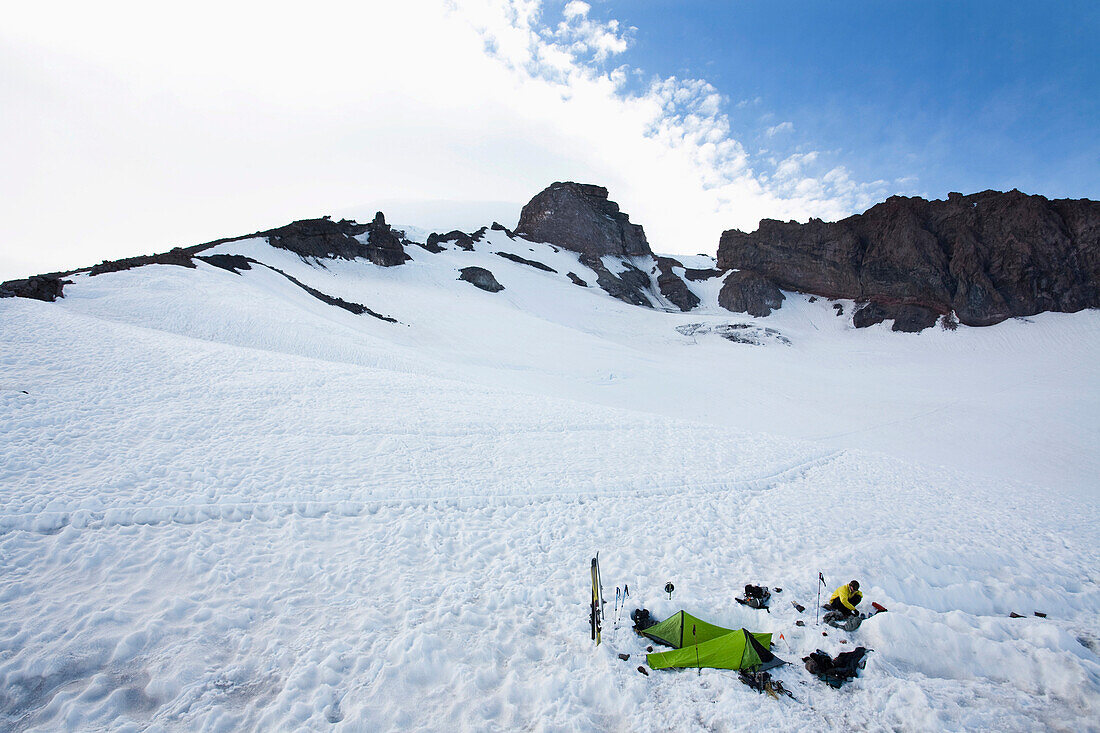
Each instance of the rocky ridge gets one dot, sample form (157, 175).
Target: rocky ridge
(986, 257)
(981, 258)
(308, 238)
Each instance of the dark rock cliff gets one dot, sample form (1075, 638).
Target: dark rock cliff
(579, 217)
(988, 256)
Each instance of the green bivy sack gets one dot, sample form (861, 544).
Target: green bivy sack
(676, 630)
(739, 649)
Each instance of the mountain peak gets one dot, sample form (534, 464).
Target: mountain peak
(581, 218)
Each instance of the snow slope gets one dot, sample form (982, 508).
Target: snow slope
(226, 505)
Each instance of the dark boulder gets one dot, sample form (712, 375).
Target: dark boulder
(481, 278)
(672, 287)
(576, 280)
(579, 217)
(907, 318)
(47, 288)
(748, 292)
(987, 256)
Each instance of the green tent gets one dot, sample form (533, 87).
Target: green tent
(676, 630)
(739, 649)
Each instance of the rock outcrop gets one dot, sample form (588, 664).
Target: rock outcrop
(524, 261)
(746, 292)
(47, 288)
(907, 318)
(672, 287)
(479, 277)
(987, 256)
(319, 238)
(461, 239)
(175, 256)
(629, 286)
(324, 238)
(384, 247)
(579, 217)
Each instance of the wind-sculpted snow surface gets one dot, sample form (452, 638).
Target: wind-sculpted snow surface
(228, 505)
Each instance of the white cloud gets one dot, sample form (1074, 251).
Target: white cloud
(575, 9)
(133, 126)
(781, 127)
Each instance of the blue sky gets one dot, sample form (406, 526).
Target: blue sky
(958, 95)
(121, 139)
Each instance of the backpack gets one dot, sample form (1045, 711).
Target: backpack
(835, 672)
(755, 597)
(641, 618)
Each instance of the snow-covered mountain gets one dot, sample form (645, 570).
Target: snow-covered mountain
(350, 475)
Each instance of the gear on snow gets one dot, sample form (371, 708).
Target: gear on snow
(756, 596)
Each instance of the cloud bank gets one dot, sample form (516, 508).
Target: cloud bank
(131, 127)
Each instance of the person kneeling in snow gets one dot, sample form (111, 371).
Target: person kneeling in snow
(845, 599)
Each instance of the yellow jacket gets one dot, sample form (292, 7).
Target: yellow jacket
(847, 597)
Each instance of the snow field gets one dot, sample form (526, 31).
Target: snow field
(1019, 402)
(168, 427)
(225, 505)
(431, 615)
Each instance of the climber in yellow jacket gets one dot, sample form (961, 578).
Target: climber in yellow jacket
(845, 599)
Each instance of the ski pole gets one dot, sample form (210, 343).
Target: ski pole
(817, 606)
(821, 582)
(694, 638)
